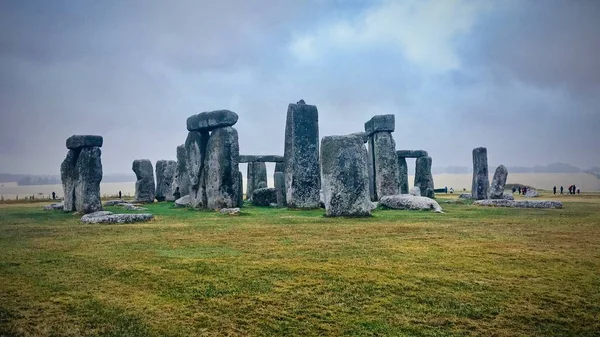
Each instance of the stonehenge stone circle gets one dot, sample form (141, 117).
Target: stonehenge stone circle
(279, 180)
(257, 173)
(182, 176)
(344, 170)
(264, 196)
(302, 171)
(144, 185)
(498, 182)
(423, 177)
(165, 176)
(222, 152)
(211, 120)
(81, 174)
(403, 174)
(481, 181)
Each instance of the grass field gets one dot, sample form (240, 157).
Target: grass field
(470, 271)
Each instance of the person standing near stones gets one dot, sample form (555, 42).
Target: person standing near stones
(53, 196)
(119, 194)
(578, 191)
(574, 188)
(554, 189)
(514, 189)
(561, 190)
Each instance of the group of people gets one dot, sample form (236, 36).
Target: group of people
(572, 190)
(522, 190)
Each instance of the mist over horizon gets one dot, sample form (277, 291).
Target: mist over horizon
(520, 78)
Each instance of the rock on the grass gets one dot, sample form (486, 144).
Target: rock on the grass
(230, 211)
(165, 175)
(57, 206)
(183, 201)
(508, 196)
(531, 193)
(211, 120)
(519, 203)
(89, 176)
(380, 123)
(106, 217)
(498, 182)
(415, 191)
(222, 152)
(76, 142)
(465, 196)
(481, 181)
(114, 202)
(144, 185)
(279, 180)
(264, 196)
(410, 202)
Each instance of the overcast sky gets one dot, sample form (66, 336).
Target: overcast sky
(519, 77)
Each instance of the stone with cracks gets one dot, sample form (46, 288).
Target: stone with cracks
(68, 175)
(498, 182)
(261, 159)
(89, 176)
(183, 201)
(182, 177)
(105, 217)
(508, 196)
(423, 177)
(403, 175)
(195, 147)
(302, 172)
(257, 173)
(531, 193)
(519, 203)
(380, 123)
(222, 152)
(211, 120)
(165, 176)
(279, 180)
(410, 202)
(77, 142)
(144, 185)
(415, 191)
(481, 182)
(264, 196)
(345, 176)
(385, 164)
(412, 153)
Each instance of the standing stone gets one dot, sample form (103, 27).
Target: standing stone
(345, 176)
(222, 152)
(68, 175)
(481, 181)
(264, 196)
(165, 175)
(423, 177)
(195, 147)
(89, 176)
(240, 195)
(144, 185)
(385, 164)
(257, 172)
(302, 176)
(280, 167)
(183, 179)
(279, 180)
(403, 175)
(498, 183)
(371, 167)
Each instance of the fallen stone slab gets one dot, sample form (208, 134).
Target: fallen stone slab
(184, 201)
(230, 211)
(106, 217)
(411, 153)
(114, 202)
(132, 207)
(57, 206)
(531, 193)
(410, 202)
(465, 196)
(519, 203)
(260, 158)
(381, 123)
(210, 120)
(80, 141)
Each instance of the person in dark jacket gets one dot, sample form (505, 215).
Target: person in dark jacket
(554, 189)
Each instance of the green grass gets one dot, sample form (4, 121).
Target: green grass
(470, 271)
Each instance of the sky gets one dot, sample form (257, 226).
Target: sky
(519, 77)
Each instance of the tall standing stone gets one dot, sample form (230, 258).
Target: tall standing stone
(481, 180)
(498, 182)
(89, 176)
(195, 147)
(68, 175)
(280, 167)
(279, 180)
(302, 176)
(385, 164)
(423, 177)
(144, 185)
(183, 179)
(345, 176)
(165, 175)
(257, 172)
(403, 175)
(222, 152)
(240, 195)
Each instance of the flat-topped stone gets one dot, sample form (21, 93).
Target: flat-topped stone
(57, 206)
(80, 141)
(260, 159)
(410, 202)
(411, 153)
(519, 203)
(381, 123)
(210, 120)
(110, 218)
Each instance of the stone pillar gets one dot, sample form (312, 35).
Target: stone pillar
(302, 173)
(423, 177)
(68, 175)
(195, 147)
(481, 180)
(144, 185)
(257, 172)
(222, 152)
(498, 182)
(403, 175)
(382, 152)
(279, 180)
(240, 195)
(183, 179)
(280, 167)
(345, 176)
(165, 175)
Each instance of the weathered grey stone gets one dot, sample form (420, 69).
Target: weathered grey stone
(280, 167)
(257, 172)
(110, 218)
(302, 173)
(465, 196)
(423, 177)
(114, 202)
(403, 175)
(508, 196)
(415, 191)
(240, 195)
(89, 176)
(385, 164)
(519, 203)
(57, 206)
(211, 120)
(531, 193)
(182, 177)
(410, 202)
(380, 123)
(144, 185)
(412, 153)
(69, 176)
(222, 169)
(481, 181)
(429, 193)
(371, 167)
(165, 175)
(264, 196)
(262, 184)
(195, 147)
(261, 159)
(132, 207)
(362, 135)
(77, 142)
(279, 180)
(345, 174)
(230, 211)
(183, 201)
(498, 182)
